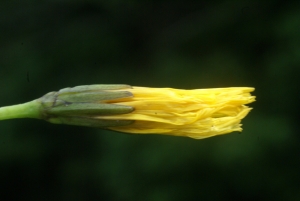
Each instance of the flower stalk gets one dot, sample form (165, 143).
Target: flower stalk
(198, 113)
(25, 110)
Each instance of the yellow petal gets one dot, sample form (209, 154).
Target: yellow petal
(198, 113)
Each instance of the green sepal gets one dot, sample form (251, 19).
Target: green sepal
(86, 94)
(93, 96)
(83, 109)
(90, 122)
(94, 87)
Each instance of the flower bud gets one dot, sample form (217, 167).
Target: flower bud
(198, 113)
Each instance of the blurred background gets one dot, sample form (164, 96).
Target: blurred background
(53, 44)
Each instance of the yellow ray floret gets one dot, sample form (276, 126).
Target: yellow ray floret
(198, 113)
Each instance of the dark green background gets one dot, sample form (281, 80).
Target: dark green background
(49, 45)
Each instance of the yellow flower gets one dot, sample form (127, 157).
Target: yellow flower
(198, 113)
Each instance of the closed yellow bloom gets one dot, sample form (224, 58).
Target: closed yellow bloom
(198, 113)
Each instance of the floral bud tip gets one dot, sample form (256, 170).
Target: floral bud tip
(198, 113)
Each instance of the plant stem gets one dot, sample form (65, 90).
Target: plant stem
(26, 110)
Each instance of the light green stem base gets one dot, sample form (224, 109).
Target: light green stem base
(26, 110)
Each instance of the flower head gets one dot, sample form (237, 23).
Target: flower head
(198, 113)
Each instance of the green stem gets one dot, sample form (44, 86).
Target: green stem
(26, 110)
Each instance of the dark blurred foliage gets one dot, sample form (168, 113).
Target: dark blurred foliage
(49, 45)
